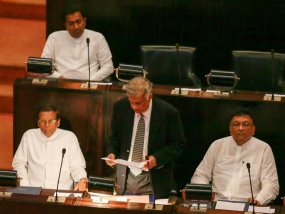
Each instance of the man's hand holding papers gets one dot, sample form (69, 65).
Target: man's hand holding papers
(112, 162)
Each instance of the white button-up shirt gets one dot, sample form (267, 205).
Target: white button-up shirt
(38, 159)
(225, 165)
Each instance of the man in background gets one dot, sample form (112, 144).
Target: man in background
(69, 49)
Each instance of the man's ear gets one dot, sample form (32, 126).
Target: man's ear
(58, 123)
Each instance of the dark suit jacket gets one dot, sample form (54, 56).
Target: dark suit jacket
(166, 138)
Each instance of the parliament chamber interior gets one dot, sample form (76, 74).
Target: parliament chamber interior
(206, 58)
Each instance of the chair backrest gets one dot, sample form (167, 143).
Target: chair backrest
(255, 70)
(161, 63)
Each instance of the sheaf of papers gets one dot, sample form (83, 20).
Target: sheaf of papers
(68, 194)
(99, 199)
(127, 163)
(230, 205)
(189, 89)
(261, 209)
(276, 95)
(100, 83)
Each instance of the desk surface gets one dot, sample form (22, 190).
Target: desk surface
(20, 203)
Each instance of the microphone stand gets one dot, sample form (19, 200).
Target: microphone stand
(272, 73)
(178, 63)
(248, 168)
(88, 41)
(63, 152)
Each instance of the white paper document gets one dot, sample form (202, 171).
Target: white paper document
(230, 205)
(68, 194)
(127, 163)
(261, 209)
(277, 95)
(189, 89)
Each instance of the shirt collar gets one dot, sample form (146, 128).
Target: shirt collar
(147, 113)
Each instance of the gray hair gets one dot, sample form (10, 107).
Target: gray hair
(139, 85)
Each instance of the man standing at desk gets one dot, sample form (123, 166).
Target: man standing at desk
(68, 48)
(39, 155)
(225, 164)
(139, 117)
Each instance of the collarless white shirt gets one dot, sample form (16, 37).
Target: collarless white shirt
(225, 165)
(38, 159)
(70, 55)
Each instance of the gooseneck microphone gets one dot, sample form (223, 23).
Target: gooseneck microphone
(88, 41)
(178, 64)
(272, 73)
(248, 168)
(151, 184)
(63, 152)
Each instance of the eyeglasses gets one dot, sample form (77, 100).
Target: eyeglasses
(48, 121)
(244, 125)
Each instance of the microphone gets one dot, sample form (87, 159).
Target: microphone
(88, 41)
(272, 73)
(151, 184)
(178, 64)
(248, 168)
(63, 152)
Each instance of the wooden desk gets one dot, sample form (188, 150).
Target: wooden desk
(204, 117)
(27, 204)
(279, 209)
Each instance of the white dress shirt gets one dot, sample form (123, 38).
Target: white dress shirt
(225, 165)
(146, 115)
(38, 158)
(70, 55)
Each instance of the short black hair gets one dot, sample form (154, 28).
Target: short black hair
(73, 8)
(242, 112)
(48, 107)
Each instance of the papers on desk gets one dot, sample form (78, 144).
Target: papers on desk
(261, 209)
(232, 205)
(127, 163)
(275, 95)
(241, 206)
(188, 89)
(122, 198)
(100, 83)
(68, 194)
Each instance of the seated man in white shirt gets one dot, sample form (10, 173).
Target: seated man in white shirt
(69, 49)
(39, 155)
(225, 164)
